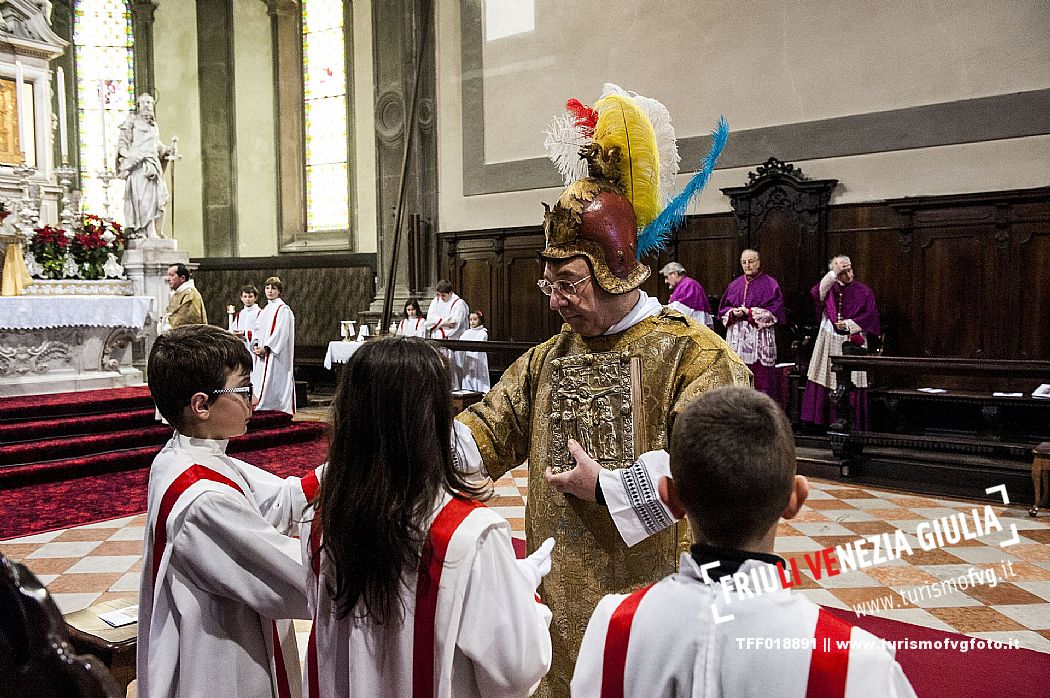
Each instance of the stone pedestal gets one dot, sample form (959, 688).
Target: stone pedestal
(146, 261)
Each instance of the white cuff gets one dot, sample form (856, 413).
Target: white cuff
(465, 451)
(632, 498)
(853, 327)
(825, 284)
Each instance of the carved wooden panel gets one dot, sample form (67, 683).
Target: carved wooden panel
(784, 215)
(1029, 322)
(477, 279)
(948, 304)
(956, 276)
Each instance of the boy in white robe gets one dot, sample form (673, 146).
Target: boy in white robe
(696, 633)
(447, 313)
(273, 342)
(218, 574)
(244, 321)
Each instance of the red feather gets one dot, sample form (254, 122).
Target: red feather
(586, 118)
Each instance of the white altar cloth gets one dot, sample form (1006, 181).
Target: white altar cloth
(54, 344)
(340, 352)
(48, 312)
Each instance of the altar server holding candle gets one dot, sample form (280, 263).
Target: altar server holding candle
(243, 324)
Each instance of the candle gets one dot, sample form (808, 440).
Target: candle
(230, 311)
(102, 104)
(19, 82)
(60, 80)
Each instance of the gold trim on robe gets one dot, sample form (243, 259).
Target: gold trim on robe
(679, 359)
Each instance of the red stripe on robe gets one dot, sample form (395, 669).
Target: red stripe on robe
(193, 474)
(309, 484)
(427, 587)
(266, 363)
(614, 662)
(830, 660)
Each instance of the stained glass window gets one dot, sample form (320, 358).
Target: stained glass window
(105, 93)
(325, 99)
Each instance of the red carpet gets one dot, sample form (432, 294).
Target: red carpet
(64, 404)
(950, 673)
(47, 506)
(74, 458)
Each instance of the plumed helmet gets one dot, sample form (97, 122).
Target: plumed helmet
(619, 161)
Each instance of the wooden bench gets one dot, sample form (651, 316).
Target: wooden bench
(1040, 477)
(965, 419)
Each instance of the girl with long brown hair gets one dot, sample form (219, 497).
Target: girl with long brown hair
(413, 583)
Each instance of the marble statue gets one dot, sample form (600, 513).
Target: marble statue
(140, 154)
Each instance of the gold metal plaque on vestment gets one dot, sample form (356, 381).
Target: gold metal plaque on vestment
(596, 399)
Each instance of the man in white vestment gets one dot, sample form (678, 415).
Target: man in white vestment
(447, 313)
(139, 153)
(221, 578)
(273, 341)
(688, 634)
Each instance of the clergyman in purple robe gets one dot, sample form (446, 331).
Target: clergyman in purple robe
(751, 306)
(847, 314)
(687, 295)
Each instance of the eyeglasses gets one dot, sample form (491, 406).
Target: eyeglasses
(245, 390)
(565, 288)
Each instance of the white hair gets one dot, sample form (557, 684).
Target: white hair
(672, 268)
(837, 258)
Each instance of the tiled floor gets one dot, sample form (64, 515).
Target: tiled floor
(101, 561)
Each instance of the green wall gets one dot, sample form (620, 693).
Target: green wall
(256, 156)
(178, 114)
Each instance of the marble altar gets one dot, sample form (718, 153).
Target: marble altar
(53, 344)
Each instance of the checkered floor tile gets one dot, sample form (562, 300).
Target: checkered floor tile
(948, 588)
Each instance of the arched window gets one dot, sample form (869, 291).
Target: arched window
(325, 117)
(105, 79)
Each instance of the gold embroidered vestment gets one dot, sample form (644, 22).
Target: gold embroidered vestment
(555, 392)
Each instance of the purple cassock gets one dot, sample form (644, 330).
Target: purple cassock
(853, 302)
(688, 297)
(752, 337)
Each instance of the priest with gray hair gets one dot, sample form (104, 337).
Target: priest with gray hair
(687, 295)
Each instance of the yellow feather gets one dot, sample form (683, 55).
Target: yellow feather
(622, 123)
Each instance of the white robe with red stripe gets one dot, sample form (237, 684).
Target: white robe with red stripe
(244, 321)
(447, 319)
(217, 570)
(485, 633)
(675, 647)
(272, 376)
(412, 327)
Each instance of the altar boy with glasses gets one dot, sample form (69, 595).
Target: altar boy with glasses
(219, 573)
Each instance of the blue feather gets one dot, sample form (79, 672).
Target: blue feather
(655, 236)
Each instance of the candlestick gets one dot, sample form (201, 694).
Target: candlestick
(68, 216)
(19, 83)
(60, 80)
(102, 104)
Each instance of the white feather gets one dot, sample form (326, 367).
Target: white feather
(562, 143)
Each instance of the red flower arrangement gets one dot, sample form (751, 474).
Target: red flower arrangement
(90, 247)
